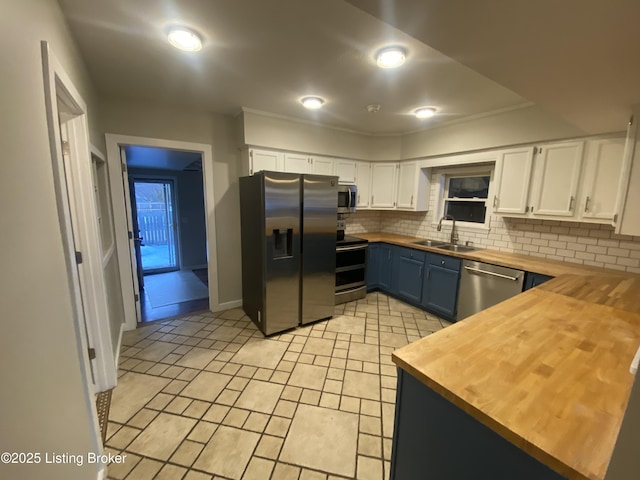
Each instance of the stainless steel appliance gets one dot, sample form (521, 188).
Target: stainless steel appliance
(288, 248)
(351, 261)
(347, 198)
(483, 285)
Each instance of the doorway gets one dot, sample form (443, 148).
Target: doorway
(118, 172)
(166, 193)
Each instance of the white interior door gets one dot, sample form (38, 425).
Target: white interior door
(132, 247)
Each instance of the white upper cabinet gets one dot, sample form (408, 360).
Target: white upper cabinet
(406, 185)
(512, 180)
(556, 175)
(265, 160)
(323, 166)
(346, 171)
(412, 192)
(363, 182)
(383, 185)
(296, 163)
(601, 182)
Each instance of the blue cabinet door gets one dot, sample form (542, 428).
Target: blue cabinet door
(409, 271)
(385, 267)
(534, 279)
(373, 266)
(440, 292)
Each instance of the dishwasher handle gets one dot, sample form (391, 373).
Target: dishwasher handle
(477, 270)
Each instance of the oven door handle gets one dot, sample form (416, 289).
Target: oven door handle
(349, 249)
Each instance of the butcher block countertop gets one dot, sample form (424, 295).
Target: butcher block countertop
(547, 369)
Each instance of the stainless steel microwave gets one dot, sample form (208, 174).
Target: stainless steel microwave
(347, 197)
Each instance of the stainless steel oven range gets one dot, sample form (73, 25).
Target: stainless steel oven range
(351, 261)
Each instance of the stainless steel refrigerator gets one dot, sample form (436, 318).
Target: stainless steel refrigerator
(288, 224)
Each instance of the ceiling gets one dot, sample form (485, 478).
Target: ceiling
(266, 55)
(162, 158)
(579, 59)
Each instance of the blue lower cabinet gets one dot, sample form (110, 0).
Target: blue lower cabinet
(409, 272)
(373, 265)
(440, 290)
(534, 279)
(385, 267)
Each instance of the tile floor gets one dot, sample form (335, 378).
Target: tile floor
(206, 396)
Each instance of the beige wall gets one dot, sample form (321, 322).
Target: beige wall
(273, 132)
(149, 120)
(43, 403)
(523, 125)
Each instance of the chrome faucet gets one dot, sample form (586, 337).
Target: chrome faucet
(454, 234)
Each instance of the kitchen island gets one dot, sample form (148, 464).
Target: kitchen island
(535, 387)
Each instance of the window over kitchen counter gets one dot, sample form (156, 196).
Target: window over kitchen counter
(464, 194)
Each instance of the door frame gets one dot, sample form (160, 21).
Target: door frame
(75, 201)
(118, 175)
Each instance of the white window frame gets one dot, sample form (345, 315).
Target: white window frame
(443, 188)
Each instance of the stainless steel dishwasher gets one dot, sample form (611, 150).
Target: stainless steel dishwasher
(483, 285)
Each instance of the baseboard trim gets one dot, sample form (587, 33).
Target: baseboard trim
(194, 267)
(226, 305)
(102, 473)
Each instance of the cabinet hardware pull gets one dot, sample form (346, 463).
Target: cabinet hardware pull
(420, 271)
(571, 203)
(372, 200)
(477, 270)
(389, 255)
(412, 200)
(526, 209)
(586, 205)
(495, 201)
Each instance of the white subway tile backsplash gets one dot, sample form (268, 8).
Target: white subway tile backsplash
(582, 243)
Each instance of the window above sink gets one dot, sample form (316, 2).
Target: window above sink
(464, 192)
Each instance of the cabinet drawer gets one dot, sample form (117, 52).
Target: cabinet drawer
(444, 261)
(418, 255)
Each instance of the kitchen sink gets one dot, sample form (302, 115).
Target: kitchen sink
(431, 243)
(456, 248)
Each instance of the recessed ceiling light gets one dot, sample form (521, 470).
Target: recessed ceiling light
(312, 103)
(184, 39)
(391, 57)
(424, 112)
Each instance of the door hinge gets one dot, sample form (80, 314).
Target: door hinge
(92, 353)
(124, 167)
(65, 147)
(535, 150)
(78, 258)
(130, 233)
(251, 153)
(136, 297)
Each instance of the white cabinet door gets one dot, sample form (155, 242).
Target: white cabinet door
(407, 176)
(296, 163)
(363, 182)
(556, 175)
(601, 182)
(513, 176)
(383, 185)
(322, 166)
(265, 160)
(346, 171)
